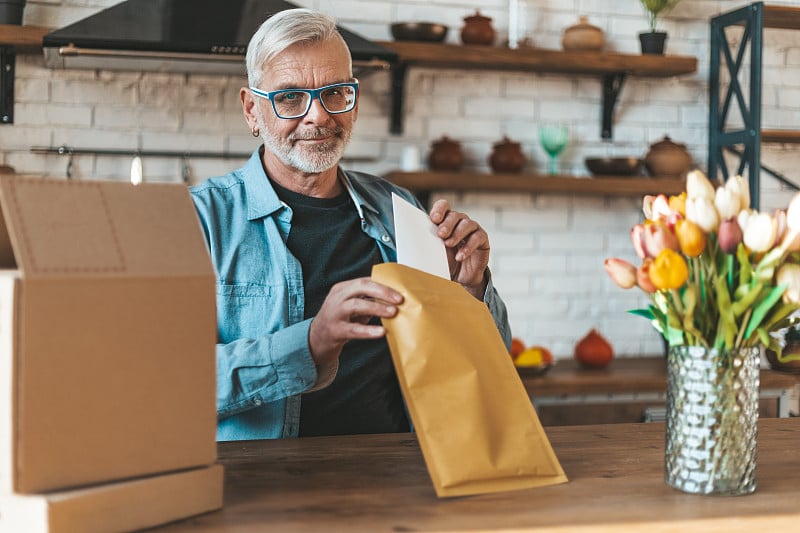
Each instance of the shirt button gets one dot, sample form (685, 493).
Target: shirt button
(257, 402)
(386, 238)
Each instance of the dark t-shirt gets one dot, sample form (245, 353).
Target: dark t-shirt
(327, 240)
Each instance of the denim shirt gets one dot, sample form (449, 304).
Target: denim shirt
(264, 362)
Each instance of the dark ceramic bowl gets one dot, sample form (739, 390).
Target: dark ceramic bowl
(419, 31)
(614, 166)
(534, 371)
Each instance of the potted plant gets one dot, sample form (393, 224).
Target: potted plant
(653, 41)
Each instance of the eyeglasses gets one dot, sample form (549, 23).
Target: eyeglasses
(295, 103)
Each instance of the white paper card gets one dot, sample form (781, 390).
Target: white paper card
(418, 245)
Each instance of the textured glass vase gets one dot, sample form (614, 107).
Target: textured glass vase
(712, 420)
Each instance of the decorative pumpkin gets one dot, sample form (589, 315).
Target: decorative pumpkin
(594, 350)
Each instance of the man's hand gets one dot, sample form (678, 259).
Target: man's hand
(467, 246)
(345, 314)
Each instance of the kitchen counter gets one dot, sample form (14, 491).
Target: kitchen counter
(379, 483)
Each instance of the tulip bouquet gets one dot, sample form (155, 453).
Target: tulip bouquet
(719, 274)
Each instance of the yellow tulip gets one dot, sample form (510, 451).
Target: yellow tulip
(678, 203)
(669, 270)
(691, 238)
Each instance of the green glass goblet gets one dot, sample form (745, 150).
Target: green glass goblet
(554, 139)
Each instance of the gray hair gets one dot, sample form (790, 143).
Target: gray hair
(283, 30)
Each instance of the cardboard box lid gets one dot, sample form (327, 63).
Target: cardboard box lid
(107, 334)
(57, 228)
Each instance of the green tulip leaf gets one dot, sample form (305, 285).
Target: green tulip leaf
(746, 300)
(763, 308)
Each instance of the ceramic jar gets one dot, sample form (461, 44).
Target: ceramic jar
(507, 156)
(445, 154)
(668, 159)
(583, 37)
(478, 30)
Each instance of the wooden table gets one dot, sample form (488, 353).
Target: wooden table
(631, 385)
(378, 483)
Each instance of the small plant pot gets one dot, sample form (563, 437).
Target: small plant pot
(653, 42)
(11, 11)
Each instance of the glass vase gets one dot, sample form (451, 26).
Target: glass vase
(712, 420)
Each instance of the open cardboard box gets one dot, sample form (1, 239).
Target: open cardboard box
(107, 334)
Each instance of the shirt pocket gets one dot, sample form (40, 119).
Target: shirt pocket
(248, 311)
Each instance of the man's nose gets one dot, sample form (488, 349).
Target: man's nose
(316, 113)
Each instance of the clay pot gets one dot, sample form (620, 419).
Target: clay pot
(507, 156)
(668, 159)
(477, 30)
(445, 155)
(793, 367)
(583, 36)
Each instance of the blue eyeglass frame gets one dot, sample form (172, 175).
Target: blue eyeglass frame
(315, 93)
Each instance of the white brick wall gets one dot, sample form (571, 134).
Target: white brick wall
(547, 249)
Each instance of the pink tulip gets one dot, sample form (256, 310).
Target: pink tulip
(637, 232)
(661, 210)
(621, 272)
(643, 277)
(730, 235)
(657, 237)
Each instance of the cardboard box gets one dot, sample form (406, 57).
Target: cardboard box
(107, 334)
(115, 507)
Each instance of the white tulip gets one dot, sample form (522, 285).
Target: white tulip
(793, 213)
(698, 186)
(727, 202)
(789, 275)
(741, 187)
(760, 232)
(702, 212)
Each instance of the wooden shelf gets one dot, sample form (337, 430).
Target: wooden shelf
(536, 183)
(539, 60)
(612, 67)
(23, 38)
(780, 136)
(783, 17)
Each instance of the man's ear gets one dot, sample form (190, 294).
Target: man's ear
(248, 107)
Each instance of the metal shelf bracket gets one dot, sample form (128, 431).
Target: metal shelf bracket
(612, 85)
(7, 63)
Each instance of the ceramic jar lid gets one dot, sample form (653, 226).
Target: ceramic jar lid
(583, 36)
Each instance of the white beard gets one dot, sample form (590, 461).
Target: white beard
(308, 159)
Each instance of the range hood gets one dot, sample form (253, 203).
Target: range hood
(205, 36)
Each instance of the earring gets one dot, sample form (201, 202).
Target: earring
(255, 131)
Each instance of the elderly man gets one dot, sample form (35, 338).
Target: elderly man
(293, 238)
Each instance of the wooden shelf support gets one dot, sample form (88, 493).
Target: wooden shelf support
(14, 38)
